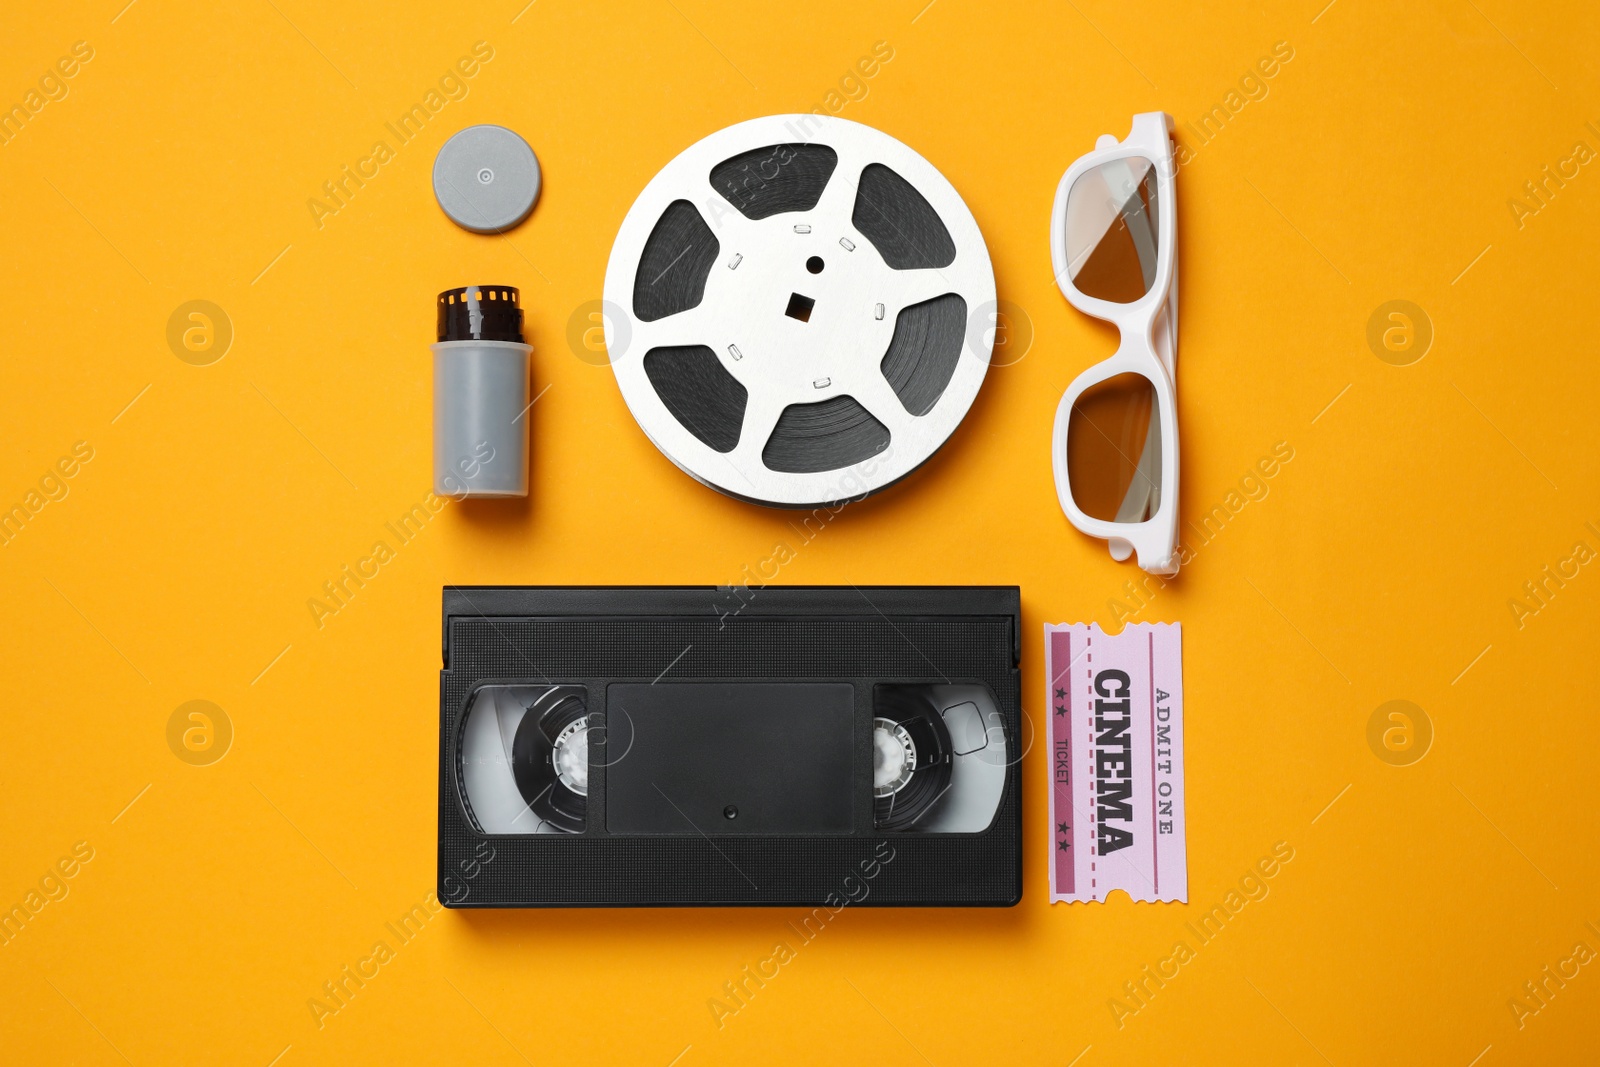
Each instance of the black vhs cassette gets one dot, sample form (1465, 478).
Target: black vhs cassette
(704, 746)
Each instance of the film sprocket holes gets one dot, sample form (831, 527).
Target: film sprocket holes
(649, 746)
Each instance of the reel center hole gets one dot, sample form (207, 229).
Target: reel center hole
(800, 306)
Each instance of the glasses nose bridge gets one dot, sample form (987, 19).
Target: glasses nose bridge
(1136, 327)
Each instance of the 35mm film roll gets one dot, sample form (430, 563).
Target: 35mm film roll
(804, 307)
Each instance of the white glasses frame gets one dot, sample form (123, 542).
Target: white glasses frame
(1149, 345)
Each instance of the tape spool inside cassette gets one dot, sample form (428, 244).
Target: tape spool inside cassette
(729, 758)
(550, 759)
(939, 757)
(525, 759)
(911, 766)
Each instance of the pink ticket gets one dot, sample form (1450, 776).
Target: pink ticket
(1116, 762)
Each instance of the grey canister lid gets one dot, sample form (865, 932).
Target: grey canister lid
(486, 178)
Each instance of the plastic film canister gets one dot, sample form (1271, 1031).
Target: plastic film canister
(480, 394)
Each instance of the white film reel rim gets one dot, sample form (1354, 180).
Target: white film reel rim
(774, 384)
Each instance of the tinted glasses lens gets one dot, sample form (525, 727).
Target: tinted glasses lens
(1113, 230)
(1114, 450)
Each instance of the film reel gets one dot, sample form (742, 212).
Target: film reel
(801, 298)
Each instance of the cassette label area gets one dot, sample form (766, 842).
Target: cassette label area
(732, 758)
(803, 305)
(782, 747)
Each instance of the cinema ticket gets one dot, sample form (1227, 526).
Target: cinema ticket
(1116, 762)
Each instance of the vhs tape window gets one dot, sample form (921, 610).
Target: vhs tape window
(525, 759)
(939, 757)
(735, 758)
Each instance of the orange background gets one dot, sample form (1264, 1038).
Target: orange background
(1379, 566)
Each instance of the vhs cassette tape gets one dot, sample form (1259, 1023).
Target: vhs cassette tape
(660, 746)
